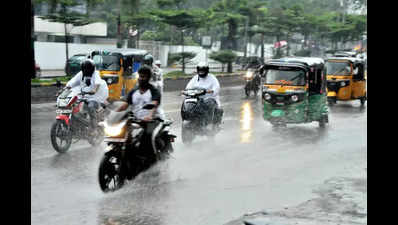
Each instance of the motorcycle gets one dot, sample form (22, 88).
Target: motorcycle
(253, 81)
(194, 116)
(72, 121)
(124, 156)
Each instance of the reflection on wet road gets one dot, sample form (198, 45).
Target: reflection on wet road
(246, 122)
(248, 167)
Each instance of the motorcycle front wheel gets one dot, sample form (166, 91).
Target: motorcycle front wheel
(96, 139)
(247, 91)
(61, 137)
(110, 176)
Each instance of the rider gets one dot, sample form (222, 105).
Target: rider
(157, 78)
(144, 94)
(209, 82)
(90, 81)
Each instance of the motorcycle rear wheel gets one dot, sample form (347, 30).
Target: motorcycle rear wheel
(60, 131)
(109, 174)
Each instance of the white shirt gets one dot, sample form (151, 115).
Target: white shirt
(103, 92)
(95, 80)
(210, 82)
(139, 100)
(157, 76)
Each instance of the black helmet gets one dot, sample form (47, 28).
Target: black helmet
(148, 60)
(203, 69)
(88, 67)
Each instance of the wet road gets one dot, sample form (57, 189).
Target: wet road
(249, 167)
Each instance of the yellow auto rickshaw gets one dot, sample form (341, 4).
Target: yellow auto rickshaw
(118, 68)
(346, 79)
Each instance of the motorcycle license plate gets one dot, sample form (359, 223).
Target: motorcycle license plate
(191, 100)
(62, 111)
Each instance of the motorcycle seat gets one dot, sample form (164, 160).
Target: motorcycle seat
(167, 122)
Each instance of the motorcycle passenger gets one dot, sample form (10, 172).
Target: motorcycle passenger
(90, 81)
(157, 77)
(209, 82)
(144, 94)
(157, 74)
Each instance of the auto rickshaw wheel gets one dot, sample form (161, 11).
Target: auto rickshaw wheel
(324, 119)
(331, 102)
(363, 100)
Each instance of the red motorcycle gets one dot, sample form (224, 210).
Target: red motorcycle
(73, 122)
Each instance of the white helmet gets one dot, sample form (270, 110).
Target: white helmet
(157, 62)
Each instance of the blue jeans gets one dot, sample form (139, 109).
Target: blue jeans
(92, 112)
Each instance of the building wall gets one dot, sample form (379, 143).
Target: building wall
(52, 55)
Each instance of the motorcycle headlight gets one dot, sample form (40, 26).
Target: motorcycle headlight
(249, 74)
(267, 96)
(294, 98)
(342, 84)
(63, 102)
(115, 130)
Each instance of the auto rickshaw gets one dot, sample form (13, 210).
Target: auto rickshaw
(118, 68)
(346, 79)
(294, 91)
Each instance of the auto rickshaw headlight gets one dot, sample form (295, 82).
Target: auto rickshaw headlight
(342, 84)
(294, 98)
(267, 96)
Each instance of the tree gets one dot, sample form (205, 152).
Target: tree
(182, 19)
(177, 57)
(224, 57)
(67, 17)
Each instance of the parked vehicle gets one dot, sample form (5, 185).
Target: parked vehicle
(346, 80)
(124, 158)
(253, 81)
(37, 70)
(72, 121)
(72, 65)
(294, 91)
(118, 68)
(195, 119)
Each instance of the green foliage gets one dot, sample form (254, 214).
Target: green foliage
(224, 56)
(177, 57)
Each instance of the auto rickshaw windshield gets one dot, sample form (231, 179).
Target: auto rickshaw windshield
(107, 62)
(338, 68)
(285, 77)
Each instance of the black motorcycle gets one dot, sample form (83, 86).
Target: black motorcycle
(195, 116)
(125, 157)
(253, 80)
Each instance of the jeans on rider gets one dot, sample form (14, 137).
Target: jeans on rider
(213, 113)
(92, 111)
(146, 141)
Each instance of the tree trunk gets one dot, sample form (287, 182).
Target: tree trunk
(229, 69)
(262, 47)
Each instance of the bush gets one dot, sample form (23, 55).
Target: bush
(224, 56)
(177, 57)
